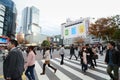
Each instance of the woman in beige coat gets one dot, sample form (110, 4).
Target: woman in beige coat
(47, 61)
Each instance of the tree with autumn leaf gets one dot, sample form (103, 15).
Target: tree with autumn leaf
(116, 21)
(103, 28)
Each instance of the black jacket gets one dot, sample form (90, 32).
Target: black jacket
(72, 50)
(13, 65)
(115, 57)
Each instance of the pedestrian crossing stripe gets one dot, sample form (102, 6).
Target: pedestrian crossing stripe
(98, 63)
(73, 67)
(60, 75)
(38, 71)
(63, 76)
(89, 70)
(78, 74)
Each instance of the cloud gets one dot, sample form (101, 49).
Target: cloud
(55, 12)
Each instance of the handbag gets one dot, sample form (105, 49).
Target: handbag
(47, 62)
(95, 56)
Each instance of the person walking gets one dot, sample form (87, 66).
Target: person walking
(51, 51)
(47, 61)
(84, 59)
(90, 56)
(30, 64)
(72, 51)
(79, 51)
(62, 52)
(95, 56)
(13, 65)
(112, 59)
(101, 49)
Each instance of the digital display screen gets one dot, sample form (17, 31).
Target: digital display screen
(77, 30)
(3, 40)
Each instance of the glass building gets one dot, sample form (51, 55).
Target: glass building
(30, 20)
(30, 24)
(8, 15)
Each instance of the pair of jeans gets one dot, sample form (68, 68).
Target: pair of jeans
(62, 56)
(84, 67)
(115, 69)
(30, 72)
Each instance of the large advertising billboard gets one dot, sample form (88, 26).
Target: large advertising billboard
(76, 30)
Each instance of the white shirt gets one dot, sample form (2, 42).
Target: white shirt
(62, 50)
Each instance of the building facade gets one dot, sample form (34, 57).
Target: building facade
(72, 30)
(30, 20)
(8, 14)
(76, 32)
(56, 40)
(30, 24)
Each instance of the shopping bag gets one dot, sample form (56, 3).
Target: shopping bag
(23, 76)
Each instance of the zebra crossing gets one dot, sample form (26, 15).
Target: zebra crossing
(71, 70)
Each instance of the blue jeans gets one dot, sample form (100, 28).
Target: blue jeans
(84, 67)
(30, 72)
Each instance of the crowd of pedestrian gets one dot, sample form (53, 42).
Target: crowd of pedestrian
(15, 64)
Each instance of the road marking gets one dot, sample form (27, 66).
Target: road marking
(78, 74)
(90, 71)
(59, 74)
(38, 71)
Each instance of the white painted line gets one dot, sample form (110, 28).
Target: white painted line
(38, 70)
(90, 71)
(60, 75)
(103, 69)
(78, 74)
(104, 65)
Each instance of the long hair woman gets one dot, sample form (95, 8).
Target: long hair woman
(84, 59)
(30, 64)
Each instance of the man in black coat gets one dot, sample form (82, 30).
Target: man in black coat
(13, 65)
(112, 59)
(89, 56)
(72, 51)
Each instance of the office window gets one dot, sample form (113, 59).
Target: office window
(1, 24)
(2, 13)
(2, 7)
(1, 18)
(1, 31)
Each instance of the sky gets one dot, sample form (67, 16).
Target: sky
(55, 12)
